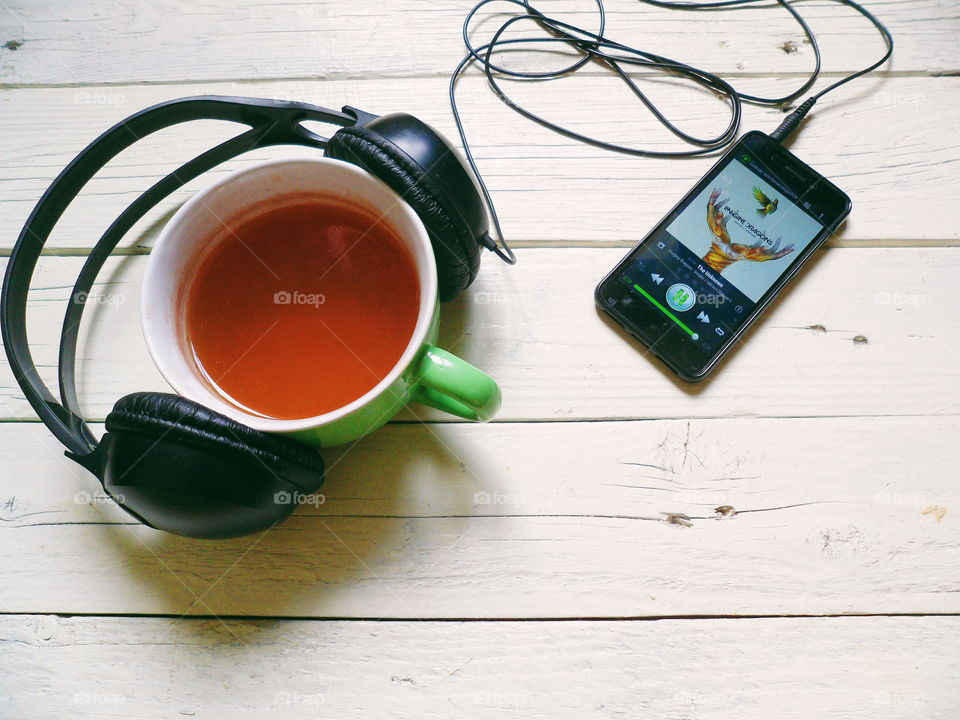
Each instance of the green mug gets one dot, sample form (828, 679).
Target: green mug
(424, 373)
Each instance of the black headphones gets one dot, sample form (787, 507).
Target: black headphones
(171, 462)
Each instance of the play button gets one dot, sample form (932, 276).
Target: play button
(681, 297)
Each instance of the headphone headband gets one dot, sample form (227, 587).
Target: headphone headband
(169, 461)
(270, 122)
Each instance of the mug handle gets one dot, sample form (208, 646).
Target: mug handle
(455, 386)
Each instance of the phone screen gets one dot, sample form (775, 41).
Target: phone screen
(692, 285)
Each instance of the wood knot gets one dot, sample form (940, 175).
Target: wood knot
(677, 519)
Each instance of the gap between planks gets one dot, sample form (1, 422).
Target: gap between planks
(33, 420)
(415, 619)
(554, 244)
(435, 75)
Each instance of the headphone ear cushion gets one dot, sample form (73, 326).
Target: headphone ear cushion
(455, 247)
(182, 467)
(189, 420)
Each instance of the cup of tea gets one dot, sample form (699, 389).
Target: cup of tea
(300, 297)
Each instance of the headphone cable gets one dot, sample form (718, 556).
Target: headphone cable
(595, 46)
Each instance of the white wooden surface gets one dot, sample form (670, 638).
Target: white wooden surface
(899, 163)
(859, 668)
(779, 542)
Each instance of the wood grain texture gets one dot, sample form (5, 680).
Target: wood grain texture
(794, 669)
(888, 142)
(178, 40)
(516, 569)
(863, 332)
(660, 518)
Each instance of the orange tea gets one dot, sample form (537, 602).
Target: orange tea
(302, 309)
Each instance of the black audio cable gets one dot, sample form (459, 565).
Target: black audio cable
(595, 46)
(793, 120)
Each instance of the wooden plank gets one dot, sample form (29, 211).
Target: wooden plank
(816, 516)
(177, 40)
(856, 668)
(617, 521)
(548, 189)
(863, 332)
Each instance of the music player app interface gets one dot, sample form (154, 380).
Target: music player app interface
(710, 264)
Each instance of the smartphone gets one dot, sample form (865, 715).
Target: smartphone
(691, 288)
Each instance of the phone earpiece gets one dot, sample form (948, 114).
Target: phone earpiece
(423, 168)
(182, 467)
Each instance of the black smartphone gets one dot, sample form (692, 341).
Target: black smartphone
(693, 286)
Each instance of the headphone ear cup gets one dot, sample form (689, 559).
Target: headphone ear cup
(179, 466)
(455, 242)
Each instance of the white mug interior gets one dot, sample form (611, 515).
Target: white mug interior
(206, 219)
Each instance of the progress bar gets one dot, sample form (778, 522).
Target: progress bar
(666, 312)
